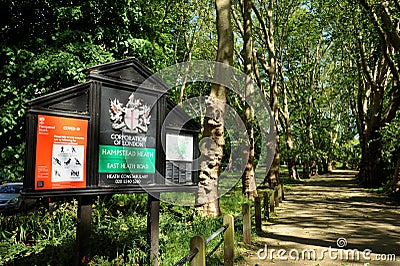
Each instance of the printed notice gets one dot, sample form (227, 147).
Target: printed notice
(60, 153)
(67, 163)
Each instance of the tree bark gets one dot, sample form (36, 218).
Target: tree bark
(306, 169)
(272, 178)
(320, 166)
(372, 166)
(325, 165)
(207, 198)
(293, 175)
(329, 165)
(249, 187)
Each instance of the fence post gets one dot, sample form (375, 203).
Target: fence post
(153, 228)
(282, 192)
(266, 205)
(257, 212)
(84, 229)
(276, 195)
(200, 243)
(229, 241)
(272, 202)
(246, 223)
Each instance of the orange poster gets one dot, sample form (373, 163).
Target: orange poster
(60, 153)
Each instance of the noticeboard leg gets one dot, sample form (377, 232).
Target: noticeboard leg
(84, 229)
(153, 227)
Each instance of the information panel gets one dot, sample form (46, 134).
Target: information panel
(60, 153)
(179, 156)
(127, 145)
(179, 147)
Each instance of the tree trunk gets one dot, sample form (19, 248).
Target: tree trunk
(306, 169)
(185, 76)
(325, 165)
(293, 175)
(329, 165)
(371, 167)
(372, 85)
(372, 171)
(320, 166)
(272, 178)
(249, 187)
(313, 168)
(207, 198)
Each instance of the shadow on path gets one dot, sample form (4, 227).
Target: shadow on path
(324, 209)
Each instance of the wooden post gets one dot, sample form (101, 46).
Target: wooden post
(257, 213)
(200, 243)
(282, 192)
(229, 240)
(246, 223)
(276, 196)
(84, 229)
(153, 227)
(272, 202)
(266, 205)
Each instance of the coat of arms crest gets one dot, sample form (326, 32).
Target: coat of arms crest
(134, 117)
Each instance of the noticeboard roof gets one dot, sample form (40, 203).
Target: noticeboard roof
(73, 99)
(129, 71)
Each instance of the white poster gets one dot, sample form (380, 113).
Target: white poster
(67, 163)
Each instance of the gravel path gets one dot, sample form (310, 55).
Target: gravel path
(330, 220)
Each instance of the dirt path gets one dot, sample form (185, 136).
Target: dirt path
(324, 212)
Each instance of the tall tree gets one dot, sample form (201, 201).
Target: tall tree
(269, 63)
(373, 81)
(208, 198)
(248, 178)
(284, 13)
(249, 187)
(379, 93)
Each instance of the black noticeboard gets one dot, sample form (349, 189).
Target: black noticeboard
(105, 136)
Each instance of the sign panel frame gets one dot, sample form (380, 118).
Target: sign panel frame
(61, 146)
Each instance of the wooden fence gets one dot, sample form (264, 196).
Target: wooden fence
(197, 253)
(271, 199)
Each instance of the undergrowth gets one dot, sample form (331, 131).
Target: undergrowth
(46, 236)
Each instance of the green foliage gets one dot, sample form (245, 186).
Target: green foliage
(30, 235)
(177, 230)
(349, 152)
(28, 74)
(391, 145)
(119, 236)
(391, 135)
